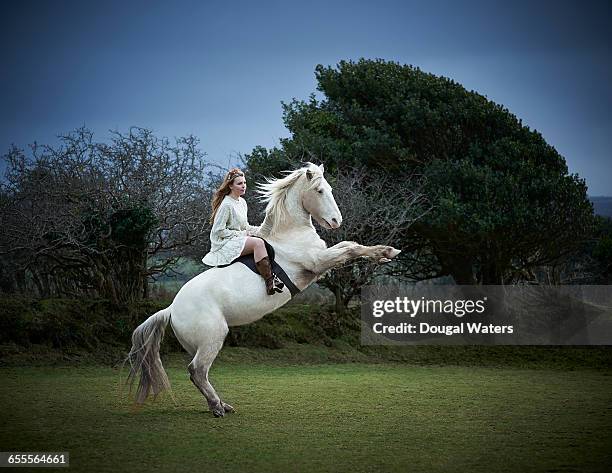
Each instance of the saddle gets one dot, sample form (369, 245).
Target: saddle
(249, 262)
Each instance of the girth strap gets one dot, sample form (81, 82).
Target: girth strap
(282, 275)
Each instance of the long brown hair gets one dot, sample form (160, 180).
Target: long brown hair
(223, 190)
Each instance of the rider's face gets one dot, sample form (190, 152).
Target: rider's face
(238, 187)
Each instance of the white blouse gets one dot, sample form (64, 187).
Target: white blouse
(229, 232)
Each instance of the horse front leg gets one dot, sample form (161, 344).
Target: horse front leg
(345, 251)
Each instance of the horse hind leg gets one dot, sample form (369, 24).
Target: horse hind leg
(198, 371)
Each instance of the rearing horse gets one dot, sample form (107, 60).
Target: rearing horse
(219, 298)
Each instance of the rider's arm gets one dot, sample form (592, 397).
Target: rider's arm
(219, 228)
(251, 229)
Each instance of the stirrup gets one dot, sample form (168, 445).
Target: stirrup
(277, 283)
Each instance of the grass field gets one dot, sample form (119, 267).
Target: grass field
(333, 417)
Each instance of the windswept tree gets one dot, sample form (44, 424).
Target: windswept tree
(101, 218)
(503, 200)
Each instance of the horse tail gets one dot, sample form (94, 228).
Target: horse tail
(144, 357)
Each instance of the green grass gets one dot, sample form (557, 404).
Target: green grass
(333, 417)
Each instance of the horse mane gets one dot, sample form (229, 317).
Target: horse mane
(274, 193)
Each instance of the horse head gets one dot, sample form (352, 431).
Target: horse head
(303, 192)
(318, 200)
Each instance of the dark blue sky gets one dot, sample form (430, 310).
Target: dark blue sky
(219, 70)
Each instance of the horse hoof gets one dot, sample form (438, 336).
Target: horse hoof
(384, 260)
(227, 407)
(392, 252)
(217, 409)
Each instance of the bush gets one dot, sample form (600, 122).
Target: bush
(68, 324)
(100, 325)
(297, 324)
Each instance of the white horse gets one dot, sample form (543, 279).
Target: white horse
(219, 298)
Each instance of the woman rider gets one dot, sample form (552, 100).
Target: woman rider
(231, 235)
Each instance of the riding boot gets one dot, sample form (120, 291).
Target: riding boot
(265, 269)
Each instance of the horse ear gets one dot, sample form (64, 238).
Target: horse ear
(309, 174)
(321, 168)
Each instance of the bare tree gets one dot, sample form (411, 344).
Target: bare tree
(101, 218)
(376, 209)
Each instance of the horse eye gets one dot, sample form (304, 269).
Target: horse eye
(320, 191)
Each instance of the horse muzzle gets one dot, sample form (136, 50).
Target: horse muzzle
(330, 224)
